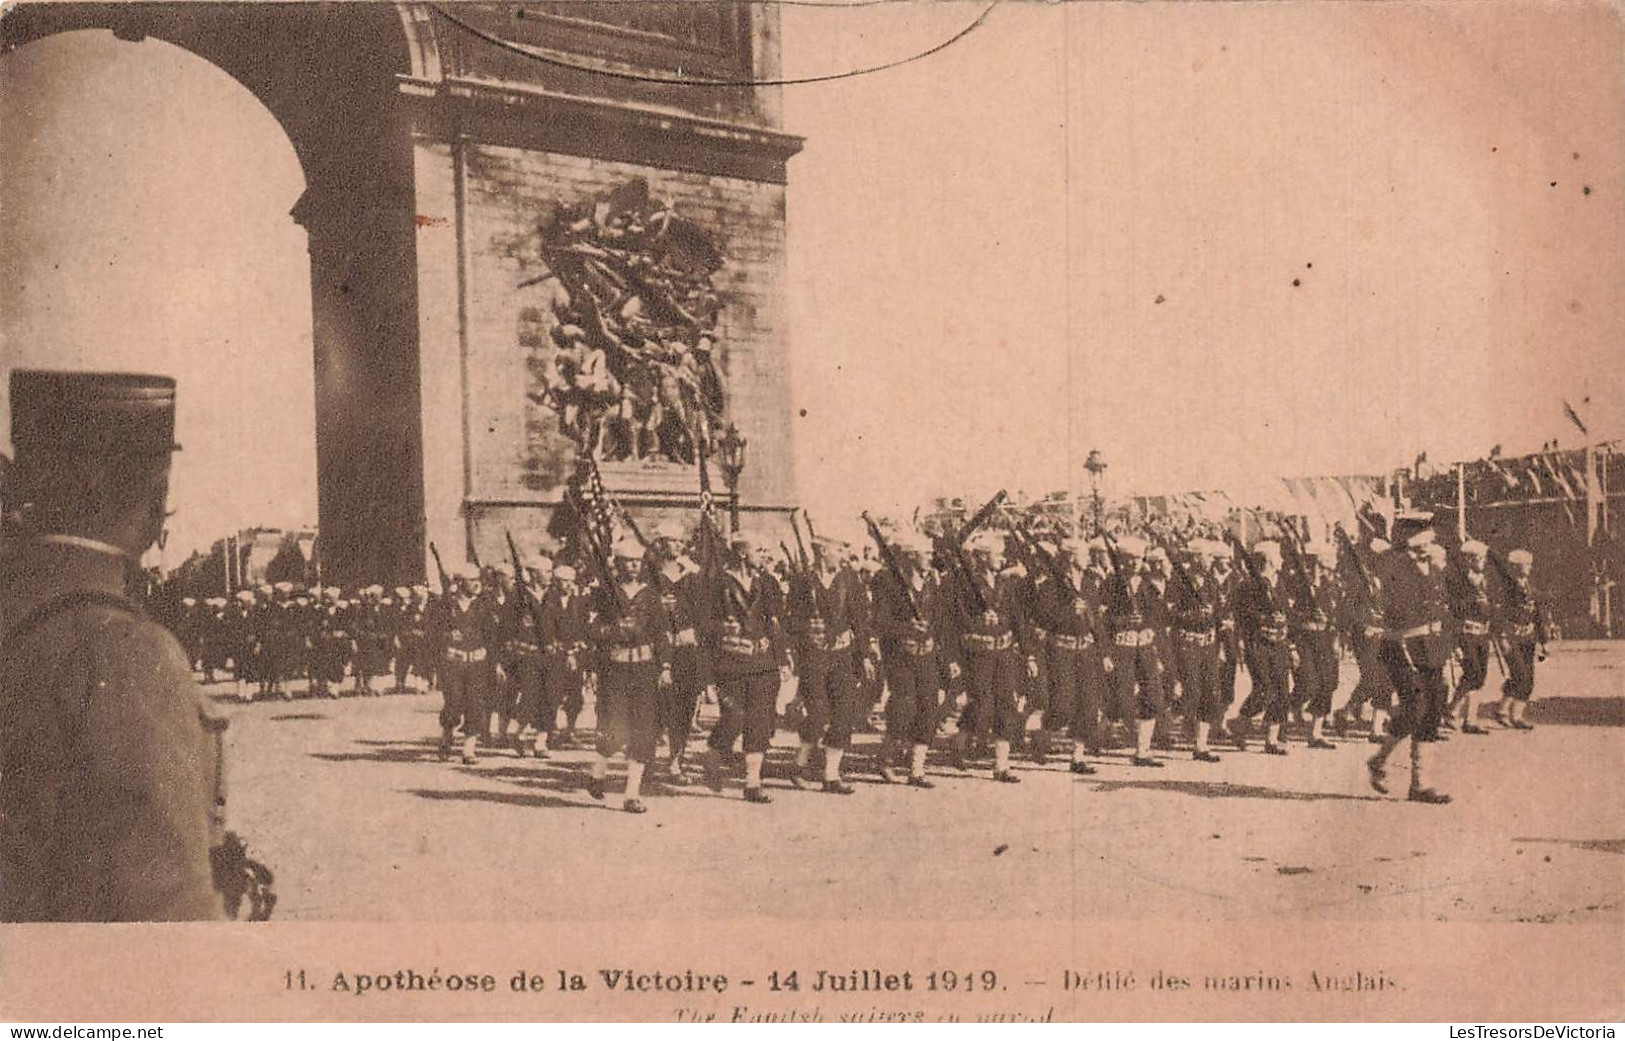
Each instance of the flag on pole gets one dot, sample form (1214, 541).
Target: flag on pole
(1574, 416)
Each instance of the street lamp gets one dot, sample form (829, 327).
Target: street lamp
(732, 457)
(1096, 467)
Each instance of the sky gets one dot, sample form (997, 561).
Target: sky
(1216, 242)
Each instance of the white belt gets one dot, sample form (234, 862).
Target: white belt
(453, 654)
(989, 642)
(745, 645)
(685, 638)
(632, 655)
(1068, 642)
(1475, 628)
(1199, 639)
(821, 642)
(1417, 631)
(1134, 638)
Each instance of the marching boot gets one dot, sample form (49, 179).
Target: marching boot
(445, 743)
(832, 773)
(1519, 707)
(1078, 766)
(888, 772)
(1238, 732)
(1001, 763)
(1143, 731)
(469, 742)
(1420, 792)
(1316, 738)
(1469, 724)
(598, 779)
(753, 778)
(801, 776)
(1203, 753)
(916, 767)
(1040, 746)
(1272, 740)
(634, 787)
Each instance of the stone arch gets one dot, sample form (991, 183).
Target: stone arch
(332, 76)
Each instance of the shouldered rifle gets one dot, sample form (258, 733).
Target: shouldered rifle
(1353, 551)
(445, 579)
(1179, 567)
(1046, 560)
(812, 536)
(801, 547)
(521, 586)
(980, 517)
(1243, 557)
(1294, 557)
(889, 558)
(1111, 555)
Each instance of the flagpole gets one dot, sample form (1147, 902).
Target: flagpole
(1461, 502)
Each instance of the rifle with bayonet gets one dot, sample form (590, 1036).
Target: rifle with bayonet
(812, 537)
(956, 548)
(889, 558)
(801, 547)
(1047, 560)
(1353, 551)
(440, 569)
(521, 586)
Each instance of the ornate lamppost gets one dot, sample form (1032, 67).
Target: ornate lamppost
(1096, 467)
(731, 454)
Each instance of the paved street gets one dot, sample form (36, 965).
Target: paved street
(348, 802)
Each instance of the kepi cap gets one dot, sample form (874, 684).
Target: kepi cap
(95, 413)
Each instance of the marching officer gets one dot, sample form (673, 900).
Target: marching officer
(1364, 611)
(910, 614)
(1071, 614)
(683, 595)
(462, 630)
(631, 634)
(108, 768)
(1263, 610)
(1414, 651)
(523, 640)
(1136, 669)
(988, 615)
(825, 622)
(1197, 606)
(562, 630)
(749, 661)
(1316, 608)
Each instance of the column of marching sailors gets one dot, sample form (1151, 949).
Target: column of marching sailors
(1002, 639)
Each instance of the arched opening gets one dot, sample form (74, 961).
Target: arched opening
(144, 212)
(329, 76)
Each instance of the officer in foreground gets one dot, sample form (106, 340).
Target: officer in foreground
(108, 768)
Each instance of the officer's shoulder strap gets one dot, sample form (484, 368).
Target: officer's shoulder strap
(69, 601)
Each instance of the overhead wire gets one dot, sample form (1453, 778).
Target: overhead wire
(691, 81)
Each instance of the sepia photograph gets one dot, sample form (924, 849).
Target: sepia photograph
(812, 511)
